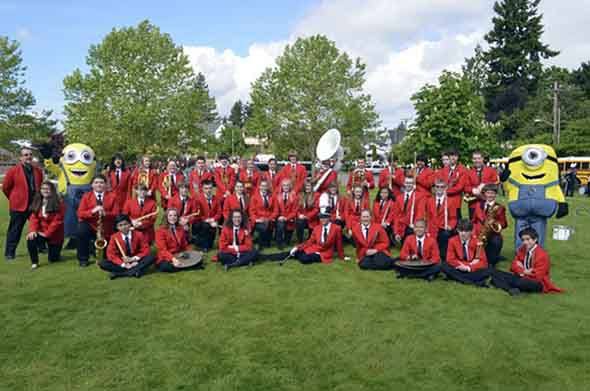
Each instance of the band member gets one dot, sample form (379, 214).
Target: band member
(424, 176)
(493, 215)
(354, 207)
(360, 176)
(442, 219)
(420, 246)
(334, 204)
(372, 244)
(142, 211)
(206, 227)
(96, 216)
(410, 207)
(189, 209)
(169, 181)
(392, 177)
(238, 200)
(119, 179)
(46, 224)
(384, 211)
(272, 175)
(199, 175)
(325, 177)
(530, 268)
(146, 175)
(294, 171)
(171, 239)
(307, 213)
(478, 176)
(466, 262)
(456, 177)
(263, 211)
(20, 185)
(128, 252)
(249, 176)
(320, 246)
(225, 177)
(235, 243)
(287, 206)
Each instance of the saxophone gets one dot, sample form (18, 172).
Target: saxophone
(490, 225)
(358, 177)
(100, 243)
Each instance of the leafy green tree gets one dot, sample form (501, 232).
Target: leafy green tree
(475, 69)
(15, 99)
(448, 115)
(581, 77)
(313, 87)
(514, 57)
(139, 95)
(237, 114)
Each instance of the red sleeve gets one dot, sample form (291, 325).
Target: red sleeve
(247, 245)
(458, 185)
(435, 252)
(482, 263)
(382, 242)
(452, 257)
(114, 210)
(501, 217)
(541, 265)
(371, 180)
(57, 222)
(518, 261)
(470, 182)
(406, 250)
(383, 178)
(113, 252)
(162, 246)
(85, 207)
(144, 250)
(339, 244)
(217, 207)
(34, 223)
(8, 183)
(224, 241)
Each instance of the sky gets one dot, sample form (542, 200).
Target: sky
(405, 44)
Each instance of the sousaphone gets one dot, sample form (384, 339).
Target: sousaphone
(329, 149)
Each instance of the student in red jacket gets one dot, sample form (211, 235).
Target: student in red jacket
(456, 177)
(424, 176)
(410, 208)
(225, 178)
(96, 205)
(477, 177)
(198, 175)
(46, 224)
(441, 217)
(238, 200)
(294, 171)
(320, 246)
(307, 212)
(171, 239)
(169, 181)
(384, 211)
(128, 252)
(138, 208)
(325, 177)
(466, 260)
(146, 175)
(119, 179)
(235, 243)
(358, 202)
(20, 184)
(335, 204)
(372, 244)
(249, 176)
(263, 213)
(206, 226)
(272, 175)
(420, 246)
(530, 268)
(392, 177)
(362, 177)
(286, 203)
(493, 246)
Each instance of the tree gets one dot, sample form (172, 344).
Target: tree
(514, 57)
(209, 106)
(476, 71)
(237, 114)
(313, 87)
(581, 77)
(139, 95)
(450, 115)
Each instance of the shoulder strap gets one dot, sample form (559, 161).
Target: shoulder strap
(61, 167)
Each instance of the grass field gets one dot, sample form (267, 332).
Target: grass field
(318, 327)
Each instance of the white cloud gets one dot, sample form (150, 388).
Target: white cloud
(404, 44)
(23, 34)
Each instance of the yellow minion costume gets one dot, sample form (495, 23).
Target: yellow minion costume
(532, 184)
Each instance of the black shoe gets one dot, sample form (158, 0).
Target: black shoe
(431, 278)
(226, 267)
(9, 258)
(514, 292)
(84, 264)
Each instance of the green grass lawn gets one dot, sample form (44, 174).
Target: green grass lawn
(317, 327)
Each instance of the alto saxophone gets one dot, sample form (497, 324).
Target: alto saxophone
(100, 243)
(490, 225)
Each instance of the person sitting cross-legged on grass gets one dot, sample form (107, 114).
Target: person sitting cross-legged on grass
(372, 244)
(128, 252)
(235, 242)
(420, 246)
(466, 262)
(530, 268)
(171, 239)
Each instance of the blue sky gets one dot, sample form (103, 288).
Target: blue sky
(55, 34)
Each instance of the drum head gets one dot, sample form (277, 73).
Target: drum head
(415, 264)
(189, 258)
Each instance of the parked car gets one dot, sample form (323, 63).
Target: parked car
(376, 167)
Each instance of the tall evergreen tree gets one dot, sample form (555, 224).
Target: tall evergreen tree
(514, 56)
(209, 107)
(236, 114)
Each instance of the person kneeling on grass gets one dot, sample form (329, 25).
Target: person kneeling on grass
(128, 252)
(530, 268)
(372, 244)
(235, 242)
(420, 246)
(466, 259)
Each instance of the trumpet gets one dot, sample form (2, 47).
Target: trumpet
(100, 243)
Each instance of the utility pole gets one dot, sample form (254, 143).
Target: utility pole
(556, 114)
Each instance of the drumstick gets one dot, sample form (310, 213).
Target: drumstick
(121, 250)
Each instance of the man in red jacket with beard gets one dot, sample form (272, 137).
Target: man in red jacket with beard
(20, 185)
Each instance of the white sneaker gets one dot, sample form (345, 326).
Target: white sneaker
(293, 251)
(34, 266)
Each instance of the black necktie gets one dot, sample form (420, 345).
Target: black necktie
(183, 206)
(438, 204)
(419, 249)
(465, 252)
(209, 203)
(285, 198)
(366, 231)
(265, 201)
(242, 203)
(141, 204)
(172, 181)
(128, 245)
(99, 199)
(118, 175)
(30, 179)
(236, 237)
(527, 260)
(406, 201)
(381, 205)
(173, 229)
(479, 172)
(331, 202)
(358, 206)
(325, 235)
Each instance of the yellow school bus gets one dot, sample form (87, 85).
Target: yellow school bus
(582, 165)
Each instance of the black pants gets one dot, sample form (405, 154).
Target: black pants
(264, 234)
(507, 281)
(203, 235)
(378, 261)
(14, 232)
(442, 239)
(53, 255)
(307, 258)
(493, 249)
(422, 273)
(168, 267)
(136, 271)
(232, 260)
(300, 226)
(477, 278)
(86, 236)
(282, 234)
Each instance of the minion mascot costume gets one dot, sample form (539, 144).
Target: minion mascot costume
(532, 184)
(74, 170)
